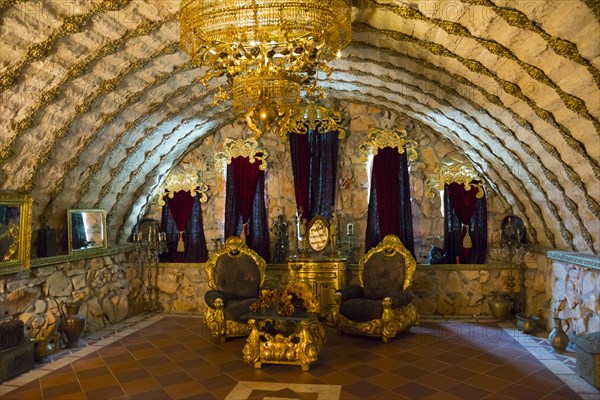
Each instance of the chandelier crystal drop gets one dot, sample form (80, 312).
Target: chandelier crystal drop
(268, 51)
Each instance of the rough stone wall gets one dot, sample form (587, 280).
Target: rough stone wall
(111, 289)
(353, 178)
(538, 287)
(447, 292)
(576, 296)
(560, 289)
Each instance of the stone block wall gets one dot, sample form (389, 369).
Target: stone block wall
(111, 289)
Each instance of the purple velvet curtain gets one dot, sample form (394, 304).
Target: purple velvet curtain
(462, 206)
(258, 231)
(300, 155)
(387, 190)
(180, 207)
(314, 165)
(245, 176)
(193, 236)
(390, 210)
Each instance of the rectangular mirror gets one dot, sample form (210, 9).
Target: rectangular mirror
(15, 232)
(87, 230)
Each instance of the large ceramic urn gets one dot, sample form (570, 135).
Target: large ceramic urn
(499, 304)
(72, 323)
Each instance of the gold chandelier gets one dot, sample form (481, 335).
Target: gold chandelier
(268, 51)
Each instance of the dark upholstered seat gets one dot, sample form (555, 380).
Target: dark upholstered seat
(381, 305)
(235, 276)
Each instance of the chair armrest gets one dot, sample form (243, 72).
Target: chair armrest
(213, 296)
(350, 292)
(400, 298)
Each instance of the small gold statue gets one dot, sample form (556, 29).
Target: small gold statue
(333, 233)
(304, 235)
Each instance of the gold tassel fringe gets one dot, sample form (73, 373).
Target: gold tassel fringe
(180, 244)
(467, 242)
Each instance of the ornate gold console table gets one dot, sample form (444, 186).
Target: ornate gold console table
(325, 275)
(296, 339)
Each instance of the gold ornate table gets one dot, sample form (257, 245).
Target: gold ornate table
(324, 274)
(296, 339)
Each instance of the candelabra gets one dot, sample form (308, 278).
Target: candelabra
(512, 248)
(150, 243)
(296, 242)
(350, 245)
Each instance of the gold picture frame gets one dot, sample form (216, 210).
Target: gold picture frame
(15, 232)
(86, 230)
(318, 233)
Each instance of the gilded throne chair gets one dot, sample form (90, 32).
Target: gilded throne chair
(382, 305)
(236, 274)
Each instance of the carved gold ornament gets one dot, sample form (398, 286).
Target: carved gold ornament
(446, 174)
(298, 347)
(269, 51)
(382, 138)
(184, 180)
(241, 148)
(392, 322)
(314, 117)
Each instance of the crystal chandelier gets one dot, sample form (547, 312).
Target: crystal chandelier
(268, 51)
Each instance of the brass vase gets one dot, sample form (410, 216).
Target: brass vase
(45, 347)
(72, 323)
(558, 337)
(499, 304)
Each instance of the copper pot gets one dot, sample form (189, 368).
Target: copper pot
(527, 324)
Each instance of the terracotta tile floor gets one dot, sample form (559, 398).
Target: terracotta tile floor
(174, 357)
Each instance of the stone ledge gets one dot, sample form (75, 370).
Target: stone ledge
(584, 260)
(420, 267)
(43, 261)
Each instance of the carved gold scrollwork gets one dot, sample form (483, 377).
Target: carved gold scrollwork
(185, 180)
(446, 174)
(394, 138)
(300, 347)
(241, 148)
(314, 117)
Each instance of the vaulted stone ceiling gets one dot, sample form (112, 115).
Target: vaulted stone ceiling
(99, 102)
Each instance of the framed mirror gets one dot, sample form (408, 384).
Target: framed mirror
(15, 232)
(86, 230)
(318, 233)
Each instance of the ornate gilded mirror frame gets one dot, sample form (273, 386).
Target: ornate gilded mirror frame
(15, 232)
(318, 233)
(86, 230)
